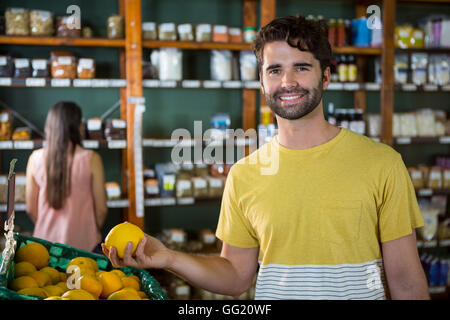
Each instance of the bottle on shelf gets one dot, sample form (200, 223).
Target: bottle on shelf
(352, 69)
(332, 32)
(340, 33)
(331, 117)
(334, 69)
(348, 32)
(343, 69)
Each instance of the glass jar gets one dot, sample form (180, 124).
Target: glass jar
(6, 66)
(167, 31)
(41, 23)
(220, 33)
(149, 31)
(40, 68)
(65, 28)
(17, 22)
(249, 34)
(203, 33)
(115, 27)
(63, 65)
(235, 35)
(86, 68)
(22, 68)
(185, 32)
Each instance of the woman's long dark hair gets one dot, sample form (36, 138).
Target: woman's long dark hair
(62, 129)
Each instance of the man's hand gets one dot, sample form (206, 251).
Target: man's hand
(150, 253)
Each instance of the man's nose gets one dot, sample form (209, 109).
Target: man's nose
(289, 80)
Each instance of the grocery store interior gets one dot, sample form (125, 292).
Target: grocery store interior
(141, 69)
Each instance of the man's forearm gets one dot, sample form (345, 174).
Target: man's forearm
(212, 273)
(414, 289)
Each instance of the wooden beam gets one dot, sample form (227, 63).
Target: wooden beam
(133, 71)
(360, 96)
(56, 41)
(387, 67)
(267, 11)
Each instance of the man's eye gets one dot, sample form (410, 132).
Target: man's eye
(302, 69)
(274, 71)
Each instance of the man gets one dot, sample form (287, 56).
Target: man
(335, 219)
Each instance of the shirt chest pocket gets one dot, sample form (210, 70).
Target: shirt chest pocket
(340, 222)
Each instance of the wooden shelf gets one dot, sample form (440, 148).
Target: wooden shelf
(169, 143)
(422, 140)
(424, 50)
(38, 143)
(191, 45)
(357, 51)
(56, 41)
(61, 83)
(432, 192)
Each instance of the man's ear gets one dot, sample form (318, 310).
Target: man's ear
(326, 77)
(261, 84)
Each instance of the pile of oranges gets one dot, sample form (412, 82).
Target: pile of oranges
(82, 279)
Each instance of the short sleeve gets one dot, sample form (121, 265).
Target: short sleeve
(233, 227)
(399, 213)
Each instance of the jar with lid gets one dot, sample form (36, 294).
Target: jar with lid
(6, 66)
(115, 27)
(41, 23)
(40, 68)
(220, 33)
(17, 22)
(87, 32)
(203, 33)
(185, 32)
(65, 28)
(86, 68)
(235, 35)
(63, 65)
(149, 31)
(352, 69)
(343, 69)
(208, 239)
(6, 120)
(22, 68)
(249, 34)
(332, 32)
(170, 64)
(167, 31)
(340, 33)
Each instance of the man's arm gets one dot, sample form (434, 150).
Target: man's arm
(230, 274)
(405, 276)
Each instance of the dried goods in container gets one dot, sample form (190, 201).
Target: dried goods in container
(17, 22)
(113, 191)
(220, 33)
(22, 68)
(149, 31)
(185, 32)
(87, 32)
(6, 120)
(235, 35)
(21, 133)
(115, 27)
(41, 23)
(86, 68)
(151, 187)
(65, 27)
(40, 68)
(203, 32)
(6, 66)
(170, 64)
(167, 31)
(249, 34)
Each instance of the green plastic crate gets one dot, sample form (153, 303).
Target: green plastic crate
(60, 256)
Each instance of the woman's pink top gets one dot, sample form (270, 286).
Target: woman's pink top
(74, 224)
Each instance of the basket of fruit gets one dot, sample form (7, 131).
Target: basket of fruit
(39, 269)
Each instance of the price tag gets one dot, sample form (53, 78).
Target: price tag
(117, 144)
(100, 83)
(430, 244)
(335, 86)
(153, 202)
(425, 192)
(185, 201)
(118, 83)
(168, 84)
(211, 84)
(35, 82)
(118, 203)
(351, 86)
(430, 87)
(373, 86)
(60, 82)
(90, 144)
(190, 84)
(444, 140)
(147, 142)
(232, 84)
(82, 83)
(403, 140)
(168, 201)
(150, 83)
(5, 82)
(252, 85)
(6, 145)
(24, 145)
(436, 290)
(409, 87)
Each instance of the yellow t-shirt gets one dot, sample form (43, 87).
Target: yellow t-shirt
(318, 216)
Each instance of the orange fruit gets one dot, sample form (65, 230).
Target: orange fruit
(23, 268)
(79, 271)
(41, 278)
(62, 285)
(121, 234)
(78, 294)
(135, 278)
(142, 294)
(53, 274)
(34, 292)
(35, 253)
(124, 294)
(54, 298)
(62, 277)
(91, 285)
(84, 262)
(54, 290)
(120, 273)
(111, 283)
(128, 282)
(22, 283)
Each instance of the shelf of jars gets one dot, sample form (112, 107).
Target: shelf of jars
(61, 83)
(170, 143)
(422, 140)
(36, 144)
(62, 41)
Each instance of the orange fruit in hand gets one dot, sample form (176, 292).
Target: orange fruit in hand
(23, 268)
(35, 253)
(121, 234)
(111, 283)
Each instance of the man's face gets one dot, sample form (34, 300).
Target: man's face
(292, 81)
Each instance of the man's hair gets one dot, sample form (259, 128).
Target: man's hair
(298, 32)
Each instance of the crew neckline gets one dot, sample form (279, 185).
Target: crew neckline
(330, 143)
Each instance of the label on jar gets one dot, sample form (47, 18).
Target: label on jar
(220, 29)
(119, 124)
(416, 175)
(64, 60)
(183, 184)
(95, 124)
(167, 27)
(153, 189)
(177, 237)
(21, 180)
(234, 31)
(17, 10)
(204, 28)
(86, 63)
(21, 63)
(215, 183)
(209, 238)
(44, 15)
(3, 61)
(149, 26)
(447, 175)
(200, 183)
(113, 192)
(4, 117)
(435, 175)
(185, 28)
(39, 64)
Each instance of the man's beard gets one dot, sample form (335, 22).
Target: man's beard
(310, 101)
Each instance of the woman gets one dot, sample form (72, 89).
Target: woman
(65, 193)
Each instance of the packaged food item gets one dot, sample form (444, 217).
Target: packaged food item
(343, 69)
(185, 32)
(115, 27)
(417, 39)
(419, 65)
(40, 68)
(115, 129)
(374, 125)
(94, 129)
(221, 65)
(63, 65)
(21, 133)
(208, 240)
(249, 34)
(149, 31)
(113, 191)
(416, 178)
(402, 36)
(86, 32)
(203, 32)
(435, 178)
(446, 180)
(17, 22)
(66, 28)
(6, 120)
(41, 23)
(430, 217)
(220, 33)
(235, 35)
(22, 68)
(248, 66)
(174, 238)
(170, 64)
(6, 66)
(151, 187)
(401, 68)
(408, 124)
(425, 123)
(215, 186)
(166, 174)
(20, 188)
(86, 68)
(183, 187)
(167, 31)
